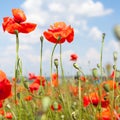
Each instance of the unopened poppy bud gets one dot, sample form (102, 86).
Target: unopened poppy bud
(46, 101)
(117, 75)
(41, 38)
(103, 35)
(25, 84)
(55, 105)
(56, 62)
(117, 31)
(95, 72)
(75, 66)
(98, 65)
(115, 55)
(114, 67)
(106, 87)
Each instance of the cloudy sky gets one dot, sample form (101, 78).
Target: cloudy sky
(89, 18)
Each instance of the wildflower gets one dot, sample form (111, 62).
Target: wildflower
(9, 115)
(32, 76)
(17, 23)
(86, 101)
(37, 82)
(94, 98)
(73, 57)
(2, 112)
(73, 90)
(5, 86)
(109, 85)
(55, 81)
(56, 107)
(59, 32)
(28, 98)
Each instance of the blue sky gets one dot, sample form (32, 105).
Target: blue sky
(89, 18)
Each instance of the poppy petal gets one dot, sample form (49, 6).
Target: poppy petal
(27, 27)
(19, 15)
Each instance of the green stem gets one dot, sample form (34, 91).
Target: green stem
(17, 62)
(52, 61)
(41, 49)
(101, 68)
(62, 70)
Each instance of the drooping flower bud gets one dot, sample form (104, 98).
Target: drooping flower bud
(115, 55)
(75, 65)
(56, 62)
(41, 38)
(95, 72)
(106, 87)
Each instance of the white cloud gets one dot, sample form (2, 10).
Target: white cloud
(95, 33)
(56, 7)
(89, 9)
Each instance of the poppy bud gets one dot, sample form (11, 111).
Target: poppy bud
(45, 103)
(117, 31)
(117, 75)
(41, 38)
(114, 67)
(56, 62)
(106, 87)
(103, 36)
(98, 65)
(95, 72)
(115, 56)
(75, 66)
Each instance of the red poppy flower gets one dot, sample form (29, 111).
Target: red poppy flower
(73, 90)
(32, 76)
(9, 115)
(17, 23)
(56, 107)
(59, 32)
(94, 98)
(55, 81)
(5, 86)
(37, 82)
(73, 57)
(86, 101)
(2, 112)
(28, 98)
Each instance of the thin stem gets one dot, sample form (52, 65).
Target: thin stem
(101, 68)
(41, 49)
(17, 62)
(62, 70)
(52, 61)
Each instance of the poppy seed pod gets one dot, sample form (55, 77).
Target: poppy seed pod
(95, 72)
(115, 55)
(56, 62)
(117, 75)
(117, 31)
(45, 103)
(41, 38)
(106, 87)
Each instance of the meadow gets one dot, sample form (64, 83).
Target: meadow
(80, 97)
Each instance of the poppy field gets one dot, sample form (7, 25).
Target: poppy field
(35, 97)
